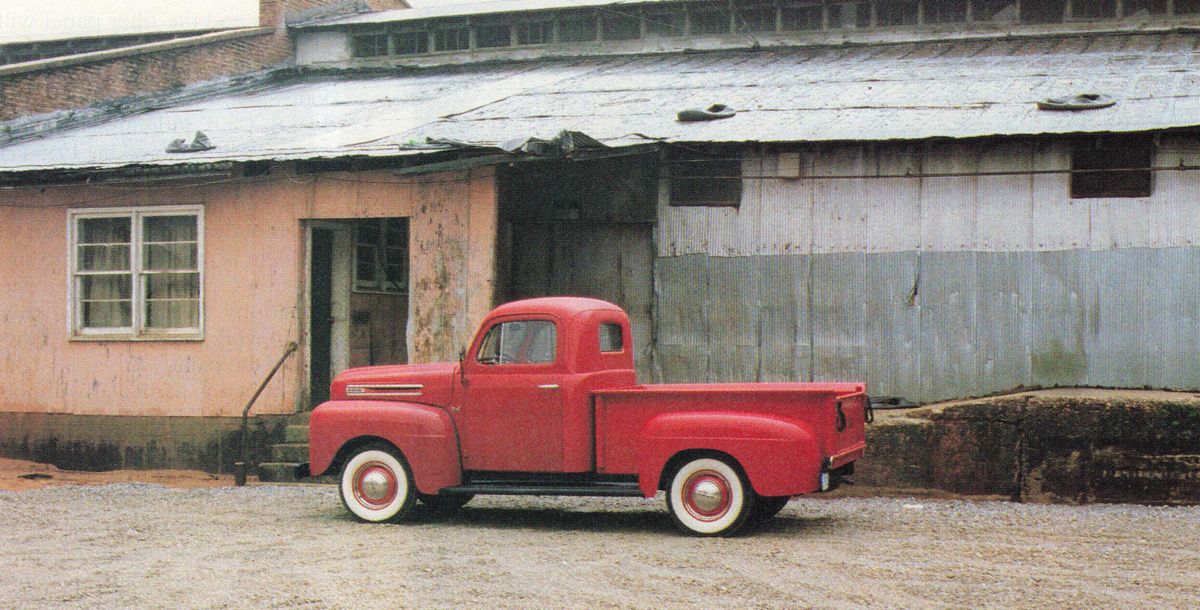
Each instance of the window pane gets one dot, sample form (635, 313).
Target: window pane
(610, 338)
(710, 22)
(411, 43)
(106, 314)
(370, 45)
(169, 286)
(849, 15)
(539, 32)
(103, 258)
(530, 342)
(1004, 11)
(1144, 8)
(579, 28)
(169, 257)
(104, 230)
(165, 229)
(803, 18)
(455, 39)
(173, 300)
(666, 23)
(106, 301)
(1094, 9)
(756, 19)
(896, 13)
(620, 26)
(1187, 7)
(489, 350)
(945, 11)
(1043, 11)
(489, 36)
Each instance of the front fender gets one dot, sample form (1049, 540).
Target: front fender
(424, 434)
(779, 456)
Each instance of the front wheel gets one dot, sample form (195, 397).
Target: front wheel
(709, 497)
(376, 485)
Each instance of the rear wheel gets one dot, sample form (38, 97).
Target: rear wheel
(709, 497)
(376, 484)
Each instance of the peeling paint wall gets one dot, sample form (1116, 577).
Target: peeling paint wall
(254, 279)
(934, 288)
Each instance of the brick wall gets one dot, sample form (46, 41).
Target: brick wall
(64, 83)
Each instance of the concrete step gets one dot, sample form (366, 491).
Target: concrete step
(296, 453)
(285, 472)
(296, 433)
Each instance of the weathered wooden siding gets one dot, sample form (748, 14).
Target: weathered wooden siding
(254, 274)
(934, 288)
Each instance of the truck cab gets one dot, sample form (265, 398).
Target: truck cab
(545, 401)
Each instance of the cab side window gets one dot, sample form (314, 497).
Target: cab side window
(524, 342)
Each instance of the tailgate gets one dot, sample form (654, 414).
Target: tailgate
(851, 412)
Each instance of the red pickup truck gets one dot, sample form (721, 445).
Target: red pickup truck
(545, 402)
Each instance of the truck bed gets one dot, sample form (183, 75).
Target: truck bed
(622, 414)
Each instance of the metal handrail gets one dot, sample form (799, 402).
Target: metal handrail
(239, 469)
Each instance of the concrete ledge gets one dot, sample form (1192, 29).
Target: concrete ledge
(1065, 445)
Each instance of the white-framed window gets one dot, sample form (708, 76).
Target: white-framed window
(136, 273)
(381, 255)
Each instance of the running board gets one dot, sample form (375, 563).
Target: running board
(627, 490)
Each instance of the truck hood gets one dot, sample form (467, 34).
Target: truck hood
(430, 384)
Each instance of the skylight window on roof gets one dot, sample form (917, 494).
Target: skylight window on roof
(451, 39)
(578, 27)
(665, 23)
(849, 15)
(945, 11)
(1001, 11)
(1094, 9)
(901, 12)
(370, 45)
(1043, 11)
(803, 18)
(755, 19)
(493, 35)
(1144, 8)
(712, 21)
(621, 26)
(535, 32)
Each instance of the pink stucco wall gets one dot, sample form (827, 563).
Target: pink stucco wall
(253, 288)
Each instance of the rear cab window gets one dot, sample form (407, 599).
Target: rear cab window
(611, 340)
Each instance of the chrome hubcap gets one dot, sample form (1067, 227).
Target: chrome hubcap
(375, 486)
(707, 496)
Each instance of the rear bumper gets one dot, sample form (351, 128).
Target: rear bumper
(844, 457)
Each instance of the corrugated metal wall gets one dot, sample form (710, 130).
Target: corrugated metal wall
(934, 288)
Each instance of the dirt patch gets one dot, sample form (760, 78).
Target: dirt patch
(20, 475)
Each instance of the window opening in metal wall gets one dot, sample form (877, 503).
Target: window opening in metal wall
(621, 26)
(803, 18)
(945, 11)
(451, 39)
(535, 32)
(755, 18)
(707, 176)
(710, 21)
(1112, 166)
(1143, 8)
(370, 45)
(1043, 11)
(666, 23)
(1093, 9)
(381, 255)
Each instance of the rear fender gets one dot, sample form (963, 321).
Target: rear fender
(779, 456)
(425, 435)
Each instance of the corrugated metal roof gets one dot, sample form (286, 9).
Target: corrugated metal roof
(471, 9)
(896, 92)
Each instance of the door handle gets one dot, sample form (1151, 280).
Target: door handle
(548, 386)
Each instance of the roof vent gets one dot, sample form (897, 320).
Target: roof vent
(1083, 101)
(712, 113)
(199, 143)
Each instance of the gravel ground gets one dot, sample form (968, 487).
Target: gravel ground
(144, 545)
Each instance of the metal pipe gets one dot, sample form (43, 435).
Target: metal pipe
(239, 469)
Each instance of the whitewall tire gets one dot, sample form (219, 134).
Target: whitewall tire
(376, 485)
(709, 497)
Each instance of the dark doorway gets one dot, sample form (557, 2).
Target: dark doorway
(583, 228)
(320, 313)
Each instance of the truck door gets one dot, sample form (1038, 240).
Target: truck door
(512, 410)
